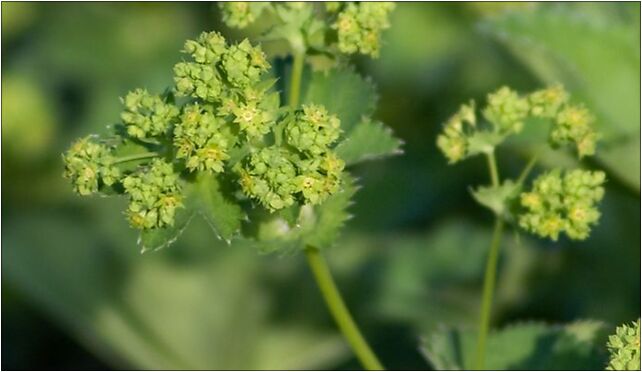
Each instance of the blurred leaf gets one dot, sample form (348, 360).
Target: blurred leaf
(156, 312)
(344, 93)
(597, 56)
(523, 346)
(368, 140)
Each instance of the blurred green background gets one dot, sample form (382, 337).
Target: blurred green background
(76, 293)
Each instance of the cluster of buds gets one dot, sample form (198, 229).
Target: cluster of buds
(199, 139)
(281, 157)
(624, 347)
(147, 115)
(154, 195)
(305, 169)
(453, 142)
(563, 203)
(506, 112)
(240, 14)
(87, 164)
(359, 26)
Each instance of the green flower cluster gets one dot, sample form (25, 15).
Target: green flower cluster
(506, 112)
(154, 195)
(240, 14)
(624, 347)
(229, 125)
(199, 139)
(147, 115)
(87, 164)
(563, 203)
(304, 170)
(453, 142)
(359, 26)
(314, 130)
(573, 124)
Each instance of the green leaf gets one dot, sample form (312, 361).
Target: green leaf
(155, 239)
(344, 93)
(368, 140)
(296, 228)
(193, 307)
(598, 60)
(497, 199)
(213, 199)
(525, 346)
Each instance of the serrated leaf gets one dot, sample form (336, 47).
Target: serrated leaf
(155, 239)
(295, 228)
(368, 140)
(344, 93)
(598, 60)
(209, 196)
(523, 346)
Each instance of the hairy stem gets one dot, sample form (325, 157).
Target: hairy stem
(490, 274)
(295, 80)
(144, 155)
(339, 310)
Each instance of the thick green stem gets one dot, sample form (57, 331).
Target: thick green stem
(144, 155)
(340, 312)
(295, 80)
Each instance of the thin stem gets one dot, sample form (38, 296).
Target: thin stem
(527, 170)
(144, 155)
(339, 310)
(295, 80)
(492, 166)
(490, 273)
(487, 297)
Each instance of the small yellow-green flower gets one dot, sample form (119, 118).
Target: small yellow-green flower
(624, 347)
(563, 203)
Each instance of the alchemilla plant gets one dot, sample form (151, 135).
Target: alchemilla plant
(261, 147)
(261, 153)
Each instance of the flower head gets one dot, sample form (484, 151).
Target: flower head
(154, 195)
(506, 110)
(147, 115)
(240, 14)
(313, 130)
(88, 164)
(624, 347)
(574, 124)
(563, 203)
(359, 27)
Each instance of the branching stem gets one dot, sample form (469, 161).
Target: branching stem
(490, 274)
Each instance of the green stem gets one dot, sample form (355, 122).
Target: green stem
(295, 80)
(487, 297)
(490, 273)
(527, 170)
(492, 166)
(339, 310)
(144, 155)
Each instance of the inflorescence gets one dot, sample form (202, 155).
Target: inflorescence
(559, 201)
(624, 347)
(357, 25)
(224, 121)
